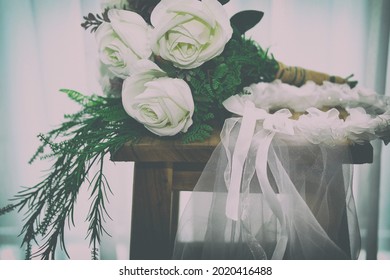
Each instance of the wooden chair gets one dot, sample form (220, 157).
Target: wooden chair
(162, 169)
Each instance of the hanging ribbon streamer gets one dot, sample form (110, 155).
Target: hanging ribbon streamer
(279, 122)
(239, 156)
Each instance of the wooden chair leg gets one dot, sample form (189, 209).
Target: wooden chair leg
(151, 214)
(174, 220)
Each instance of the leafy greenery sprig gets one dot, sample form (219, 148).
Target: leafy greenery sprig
(79, 144)
(93, 21)
(141, 7)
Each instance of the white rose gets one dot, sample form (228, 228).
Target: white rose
(123, 41)
(190, 32)
(108, 82)
(163, 105)
(110, 4)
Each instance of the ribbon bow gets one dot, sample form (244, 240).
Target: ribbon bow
(278, 122)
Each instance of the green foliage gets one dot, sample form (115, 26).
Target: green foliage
(245, 20)
(75, 147)
(93, 21)
(143, 7)
(242, 63)
(198, 132)
(6, 209)
(223, 2)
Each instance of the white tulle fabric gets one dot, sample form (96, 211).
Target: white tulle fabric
(275, 187)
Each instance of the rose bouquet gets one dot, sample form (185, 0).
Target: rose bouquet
(166, 68)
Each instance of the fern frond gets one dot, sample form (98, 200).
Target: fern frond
(7, 209)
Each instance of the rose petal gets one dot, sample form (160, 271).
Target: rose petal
(133, 30)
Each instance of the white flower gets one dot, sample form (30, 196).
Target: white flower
(280, 122)
(110, 4)
(163, 105)
(276, 95)
(322, 127)
(331, 94)
(108, 81)
(190, 32)
(123, 41)
(359, 125)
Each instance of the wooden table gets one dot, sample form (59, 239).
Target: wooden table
(162, 169)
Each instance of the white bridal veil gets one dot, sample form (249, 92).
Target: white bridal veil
(281, 187)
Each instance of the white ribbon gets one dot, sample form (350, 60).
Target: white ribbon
(279, 122)
(249, 118)
(268, 193)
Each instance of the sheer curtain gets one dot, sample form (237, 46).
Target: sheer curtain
(43, 48)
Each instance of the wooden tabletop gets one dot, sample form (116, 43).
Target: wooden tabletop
(160, 149)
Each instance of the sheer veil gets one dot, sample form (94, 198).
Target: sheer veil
(278, 186)
(293, 200)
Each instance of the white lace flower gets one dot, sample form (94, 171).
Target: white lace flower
(279, 122)
(368, 114)
(359, 125)
(321, 127)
